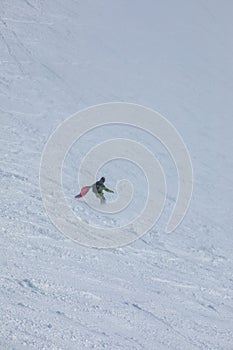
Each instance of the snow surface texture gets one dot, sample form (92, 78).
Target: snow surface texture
(163, 291)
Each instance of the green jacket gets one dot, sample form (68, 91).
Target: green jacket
(99, 187)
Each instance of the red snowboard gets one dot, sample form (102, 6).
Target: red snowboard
(83, 192)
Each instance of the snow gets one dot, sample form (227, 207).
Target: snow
(164, 291)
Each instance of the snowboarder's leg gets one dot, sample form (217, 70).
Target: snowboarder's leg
(102, 200)
(100, 195)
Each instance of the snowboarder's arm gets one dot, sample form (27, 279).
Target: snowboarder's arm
(108, 190)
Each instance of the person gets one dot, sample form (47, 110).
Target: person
(98, 189)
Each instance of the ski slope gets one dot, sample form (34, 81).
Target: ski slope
(164, 291)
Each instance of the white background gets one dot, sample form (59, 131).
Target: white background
(164, 291)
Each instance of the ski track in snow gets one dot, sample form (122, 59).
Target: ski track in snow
(163, 291)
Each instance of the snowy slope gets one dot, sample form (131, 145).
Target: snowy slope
(163, 291)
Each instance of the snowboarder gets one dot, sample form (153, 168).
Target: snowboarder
(98, 189)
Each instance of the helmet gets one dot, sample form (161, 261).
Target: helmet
(102, 179)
